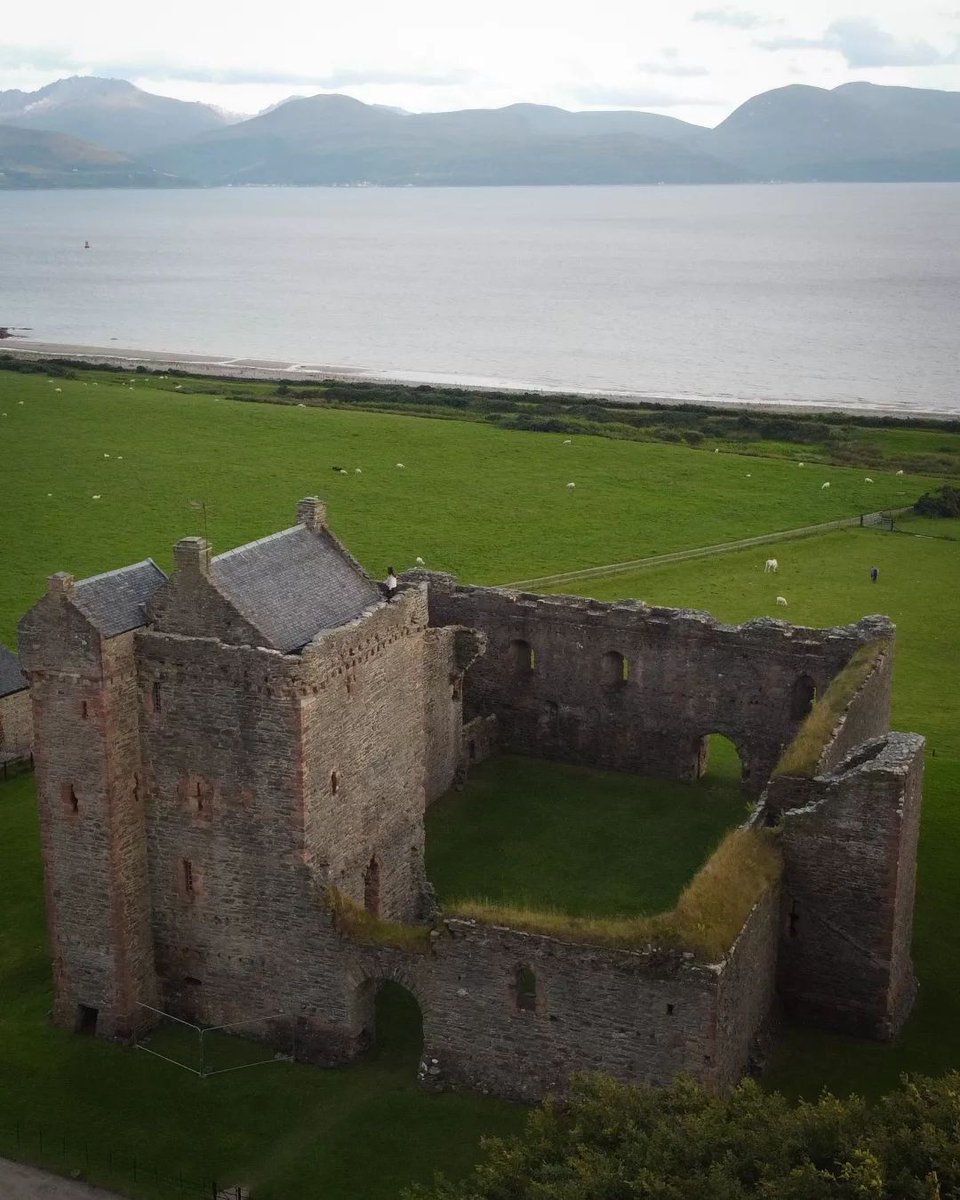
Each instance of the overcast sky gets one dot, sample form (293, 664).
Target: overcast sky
(697, 61)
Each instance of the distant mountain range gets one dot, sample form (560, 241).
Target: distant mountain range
(128, 137)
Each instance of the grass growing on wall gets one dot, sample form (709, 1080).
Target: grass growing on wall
(707, 918)
(803, 754)
(354, 921)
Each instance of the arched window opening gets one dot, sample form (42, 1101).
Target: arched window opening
(523, 656)
(802, 696)
(371, 887)
(718, 761)
(615, 669)
(525, 989)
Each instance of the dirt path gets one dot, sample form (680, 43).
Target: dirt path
(18, 1182)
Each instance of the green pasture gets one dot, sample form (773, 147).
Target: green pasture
(490, 506)
(486, 504)
(537, 835)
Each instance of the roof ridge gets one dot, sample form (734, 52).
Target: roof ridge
(120, 570)
(271, 537)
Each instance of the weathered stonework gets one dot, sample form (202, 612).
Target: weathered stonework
(16, 714)
(220, 753)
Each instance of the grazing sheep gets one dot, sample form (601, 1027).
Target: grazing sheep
(97, 497)
(106, 455)
(19, 401)
(749, 476)
(867, 479)
(400, 466)
(58, 389)
(900, 472)
(570, 486)
(801, 464)
(782, 601)
(420, 562)
(358, 470)
(772, 565)
(824, 485)
(342, 471)
(568, 441)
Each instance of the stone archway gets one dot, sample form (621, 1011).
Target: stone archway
(720, 758)
(389, 1016)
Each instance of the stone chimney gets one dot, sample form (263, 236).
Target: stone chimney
(192, 554)
(60, 584)
(312, 513)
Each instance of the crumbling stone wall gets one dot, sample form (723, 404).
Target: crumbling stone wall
(635, 688)
(849, 842)
(16, 724)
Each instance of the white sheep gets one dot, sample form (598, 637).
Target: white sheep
(342, 471)
(400, 466)
(900, 472)
(358, 470)
(571, 486)
(772, 565)
(782, 601)
(749, 476)
(867, 479)
(19, 401)
(568, 441)
(105, 455)
(58, 389)
(824, 485)
(801, 464)
(420, 562)
(96, 497)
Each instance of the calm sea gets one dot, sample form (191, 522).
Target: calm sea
(814, 294)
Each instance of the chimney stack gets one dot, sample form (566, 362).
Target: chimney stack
(192, 554)
(312, 513)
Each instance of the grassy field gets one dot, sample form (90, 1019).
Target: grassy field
(488, 505)
(491, 506)
(537, 835)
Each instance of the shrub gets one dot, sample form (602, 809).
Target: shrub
(945, 502)
(608, 1141)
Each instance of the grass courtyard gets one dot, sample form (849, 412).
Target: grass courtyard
(491, 506)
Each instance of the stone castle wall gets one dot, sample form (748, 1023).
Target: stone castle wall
(628, 687)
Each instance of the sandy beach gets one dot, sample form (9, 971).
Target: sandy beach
(267, 370)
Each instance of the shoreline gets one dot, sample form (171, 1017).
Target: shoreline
(270, 370)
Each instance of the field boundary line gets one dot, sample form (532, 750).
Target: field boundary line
(662, 560)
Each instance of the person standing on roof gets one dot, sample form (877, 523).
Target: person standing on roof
(390, 585)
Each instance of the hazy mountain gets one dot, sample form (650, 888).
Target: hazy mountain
(851, 132)
(858, 131)
(335, 139)
(111, 112)
(32, 158)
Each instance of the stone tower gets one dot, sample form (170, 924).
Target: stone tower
(78, 653)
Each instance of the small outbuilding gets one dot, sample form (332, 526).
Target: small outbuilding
(16, 717)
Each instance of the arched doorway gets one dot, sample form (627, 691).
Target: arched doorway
(719, 762)
(392, 1022)
(802, 695)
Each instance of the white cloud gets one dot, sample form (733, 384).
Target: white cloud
(865, 43)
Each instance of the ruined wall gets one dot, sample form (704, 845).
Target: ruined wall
(91, 817)
(849, 878)
(746, 994)
(16, 724)
(629, 687)
(867, 715)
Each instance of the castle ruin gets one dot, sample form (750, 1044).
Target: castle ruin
(229, 757)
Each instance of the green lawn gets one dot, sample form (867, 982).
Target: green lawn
(541, 835)
(483, 503)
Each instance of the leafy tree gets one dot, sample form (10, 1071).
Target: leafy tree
(606, 1141)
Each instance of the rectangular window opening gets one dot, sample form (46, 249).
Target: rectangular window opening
(157, 697)
(188, 876)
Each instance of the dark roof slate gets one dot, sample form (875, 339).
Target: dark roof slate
(294, 584)
(11, 677)
(114, 602)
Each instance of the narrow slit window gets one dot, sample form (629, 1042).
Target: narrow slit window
(188, 876)
(74, 800)
(198, 795)
(334, 783)
(83, 710)
(157, 697)
(525, 989)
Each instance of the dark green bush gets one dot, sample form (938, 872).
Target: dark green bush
(944, 502)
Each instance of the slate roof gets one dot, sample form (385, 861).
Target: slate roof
(115, 601)
(11, 677)
(293, 584)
